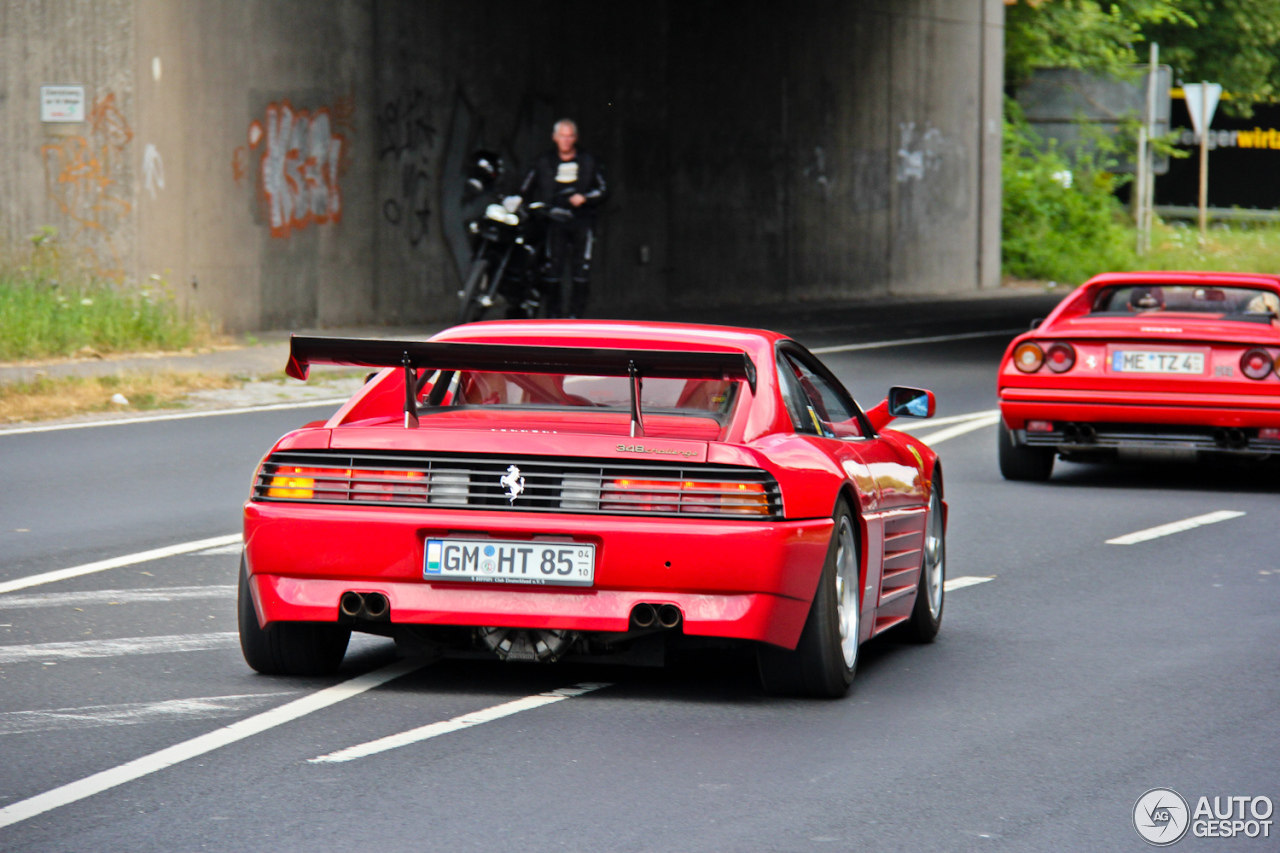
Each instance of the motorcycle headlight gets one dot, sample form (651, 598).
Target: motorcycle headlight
(498, 213)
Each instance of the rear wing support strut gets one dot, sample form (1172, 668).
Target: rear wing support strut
(636, 383)
(410, 392)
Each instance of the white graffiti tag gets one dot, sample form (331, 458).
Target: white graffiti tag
(300, 169)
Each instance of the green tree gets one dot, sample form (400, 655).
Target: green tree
(1086, 34)
(1232, 42)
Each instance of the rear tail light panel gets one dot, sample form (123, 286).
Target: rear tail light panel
(1257, 364)
(1236, 364)
(1028, 357)
(1060, 357)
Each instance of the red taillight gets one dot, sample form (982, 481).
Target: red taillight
(1269, 433)
(291, 481)
(1039, 426)
(1028, 357)
(389, 485)
(738, 498)
(641, 496)
(1256, 364)
(1061, 357)
(685, 496)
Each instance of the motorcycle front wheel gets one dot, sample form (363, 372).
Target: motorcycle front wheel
(477, 285)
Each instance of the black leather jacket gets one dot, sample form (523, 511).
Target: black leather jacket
(541, 185)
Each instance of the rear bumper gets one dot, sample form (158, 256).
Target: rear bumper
(1098, 420)
(1206, 410)
(730, 579)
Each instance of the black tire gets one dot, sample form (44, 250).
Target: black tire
(1023, 463)
(926, 616)
(287, 648)
(477, 280)
(818, 666)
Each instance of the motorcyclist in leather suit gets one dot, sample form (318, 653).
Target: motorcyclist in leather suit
(571, 183)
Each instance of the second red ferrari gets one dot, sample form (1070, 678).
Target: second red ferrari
(1145, 365)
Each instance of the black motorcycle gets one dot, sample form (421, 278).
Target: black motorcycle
(505, 246)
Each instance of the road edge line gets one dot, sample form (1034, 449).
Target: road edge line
(179, 416)
(169, 756)
(458, 723)
(116, 562)
(1172, 527)
(902, 342)
(942, 435)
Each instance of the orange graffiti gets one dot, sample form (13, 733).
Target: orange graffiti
(239, 163)
(300, 167)
(82, 179)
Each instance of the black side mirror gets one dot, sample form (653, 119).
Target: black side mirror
(910, 402)
(1035, 324)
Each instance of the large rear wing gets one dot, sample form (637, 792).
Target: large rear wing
(636, 364)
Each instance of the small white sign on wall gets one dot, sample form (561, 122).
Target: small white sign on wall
(62, 103)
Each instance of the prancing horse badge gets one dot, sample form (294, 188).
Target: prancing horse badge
(513, 483)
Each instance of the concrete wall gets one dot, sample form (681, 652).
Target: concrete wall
(297, 162)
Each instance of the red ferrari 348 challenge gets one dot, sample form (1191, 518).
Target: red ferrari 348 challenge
(544, 490)
(1146, 364)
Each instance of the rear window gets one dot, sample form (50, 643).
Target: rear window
(1236, 302)
(696, 397)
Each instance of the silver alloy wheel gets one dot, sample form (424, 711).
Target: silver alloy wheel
(934, 556)
(847, 591)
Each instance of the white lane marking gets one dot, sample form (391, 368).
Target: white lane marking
(960, 429)
(902, 342)
(963, 581)
(172, 755)
(114, 596)
(1174, 527)
(179, 416)
(908, 425)
(233, 548)
(116, 648)
(464, 721)
(131, 713)
(117, 562)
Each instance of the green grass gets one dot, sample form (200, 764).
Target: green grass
(48, 308)
(1234, 248)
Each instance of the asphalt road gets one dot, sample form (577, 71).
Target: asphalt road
(1080, 676)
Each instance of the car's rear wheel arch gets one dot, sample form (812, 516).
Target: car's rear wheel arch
(849, 495)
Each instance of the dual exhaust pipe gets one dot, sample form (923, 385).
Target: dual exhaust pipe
(371, 606)
(645, 615)
(1079, 434)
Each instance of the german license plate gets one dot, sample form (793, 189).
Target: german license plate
(1145, 361)
(498, 561)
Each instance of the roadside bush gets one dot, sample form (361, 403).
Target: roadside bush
(49, 307)
(1060, 219)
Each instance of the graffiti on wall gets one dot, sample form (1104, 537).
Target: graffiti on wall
(933, 176)
(152, 169)
(300, 165)
(86, 178)
(406, 141)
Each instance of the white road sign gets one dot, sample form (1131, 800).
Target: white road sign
(62, 103)
(1198, 100)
